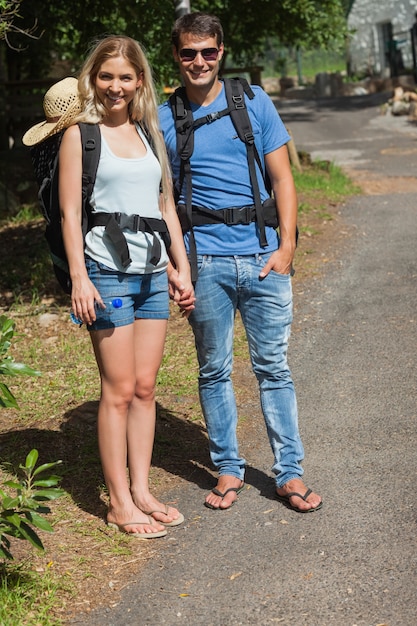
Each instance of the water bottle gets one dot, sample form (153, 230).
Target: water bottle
(115, 303)
(75, 320)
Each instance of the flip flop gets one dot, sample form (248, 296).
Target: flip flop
(216, 492)
(121, 528)
(286, 500)
(175, 522)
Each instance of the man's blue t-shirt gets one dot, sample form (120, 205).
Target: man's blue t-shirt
(220, 173)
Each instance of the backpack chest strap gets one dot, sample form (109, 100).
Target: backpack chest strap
(115, 223)
(231, 216)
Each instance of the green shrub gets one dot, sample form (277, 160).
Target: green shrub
(8, 366)
(22, 513)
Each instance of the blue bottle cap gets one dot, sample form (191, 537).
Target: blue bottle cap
(117, 303)
(75, 319)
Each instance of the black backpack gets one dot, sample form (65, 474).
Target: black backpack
(45, 159)
(265, 214)
(185, 125)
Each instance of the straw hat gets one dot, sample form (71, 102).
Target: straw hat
(61, 105)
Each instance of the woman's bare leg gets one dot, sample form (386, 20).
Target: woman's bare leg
(149, 338)
(115, 354)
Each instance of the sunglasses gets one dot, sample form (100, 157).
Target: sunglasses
(208, 54)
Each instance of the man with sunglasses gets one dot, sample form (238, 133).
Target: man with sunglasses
(236, 272)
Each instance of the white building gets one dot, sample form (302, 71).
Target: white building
(381, 44)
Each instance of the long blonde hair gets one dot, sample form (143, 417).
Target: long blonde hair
(144, 106)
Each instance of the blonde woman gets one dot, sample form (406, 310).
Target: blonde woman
(124, 302)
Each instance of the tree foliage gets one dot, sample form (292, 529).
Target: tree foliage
(298, 23)
(65, 30)
(10, 20)
(8, 15)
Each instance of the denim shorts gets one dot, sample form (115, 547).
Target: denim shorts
(127, 296)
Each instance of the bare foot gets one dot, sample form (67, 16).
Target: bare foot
(161, 513)
(225, 493)
(133, 521)
(298, 496)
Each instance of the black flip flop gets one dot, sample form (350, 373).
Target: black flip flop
(216, 492)
(286, 500)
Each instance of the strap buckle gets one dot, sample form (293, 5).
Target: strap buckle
(239, 102)
(212, 117)
(136, 223)
(238, 215)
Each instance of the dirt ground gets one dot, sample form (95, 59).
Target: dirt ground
(97, 570)
(373, 185)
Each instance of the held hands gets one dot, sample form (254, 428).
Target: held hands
(181, 291)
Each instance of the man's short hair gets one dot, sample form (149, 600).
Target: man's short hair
(201, 25)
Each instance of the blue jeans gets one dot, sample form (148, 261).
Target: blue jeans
(138, 296)
(227, 284)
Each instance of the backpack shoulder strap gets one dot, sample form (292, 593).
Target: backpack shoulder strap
(184, 129)
(235, 89)
(91, 145)
(183, 119)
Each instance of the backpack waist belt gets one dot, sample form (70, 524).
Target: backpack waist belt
(231, 216)
(115, 223)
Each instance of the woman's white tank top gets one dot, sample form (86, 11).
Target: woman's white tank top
(129, 186)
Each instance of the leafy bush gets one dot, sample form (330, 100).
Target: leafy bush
(20, 515)
(8, 366)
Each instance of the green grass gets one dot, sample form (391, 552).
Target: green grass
(283, 61)
(26, 213)
(322, 180)
(68, 368)
(320, 185)
(27, 597)
(325, 177)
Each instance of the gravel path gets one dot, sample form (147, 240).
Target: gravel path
(353, 357)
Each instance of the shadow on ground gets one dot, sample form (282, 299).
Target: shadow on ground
(180, 449)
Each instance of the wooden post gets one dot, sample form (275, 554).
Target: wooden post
(256, 75)
(292, 153)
